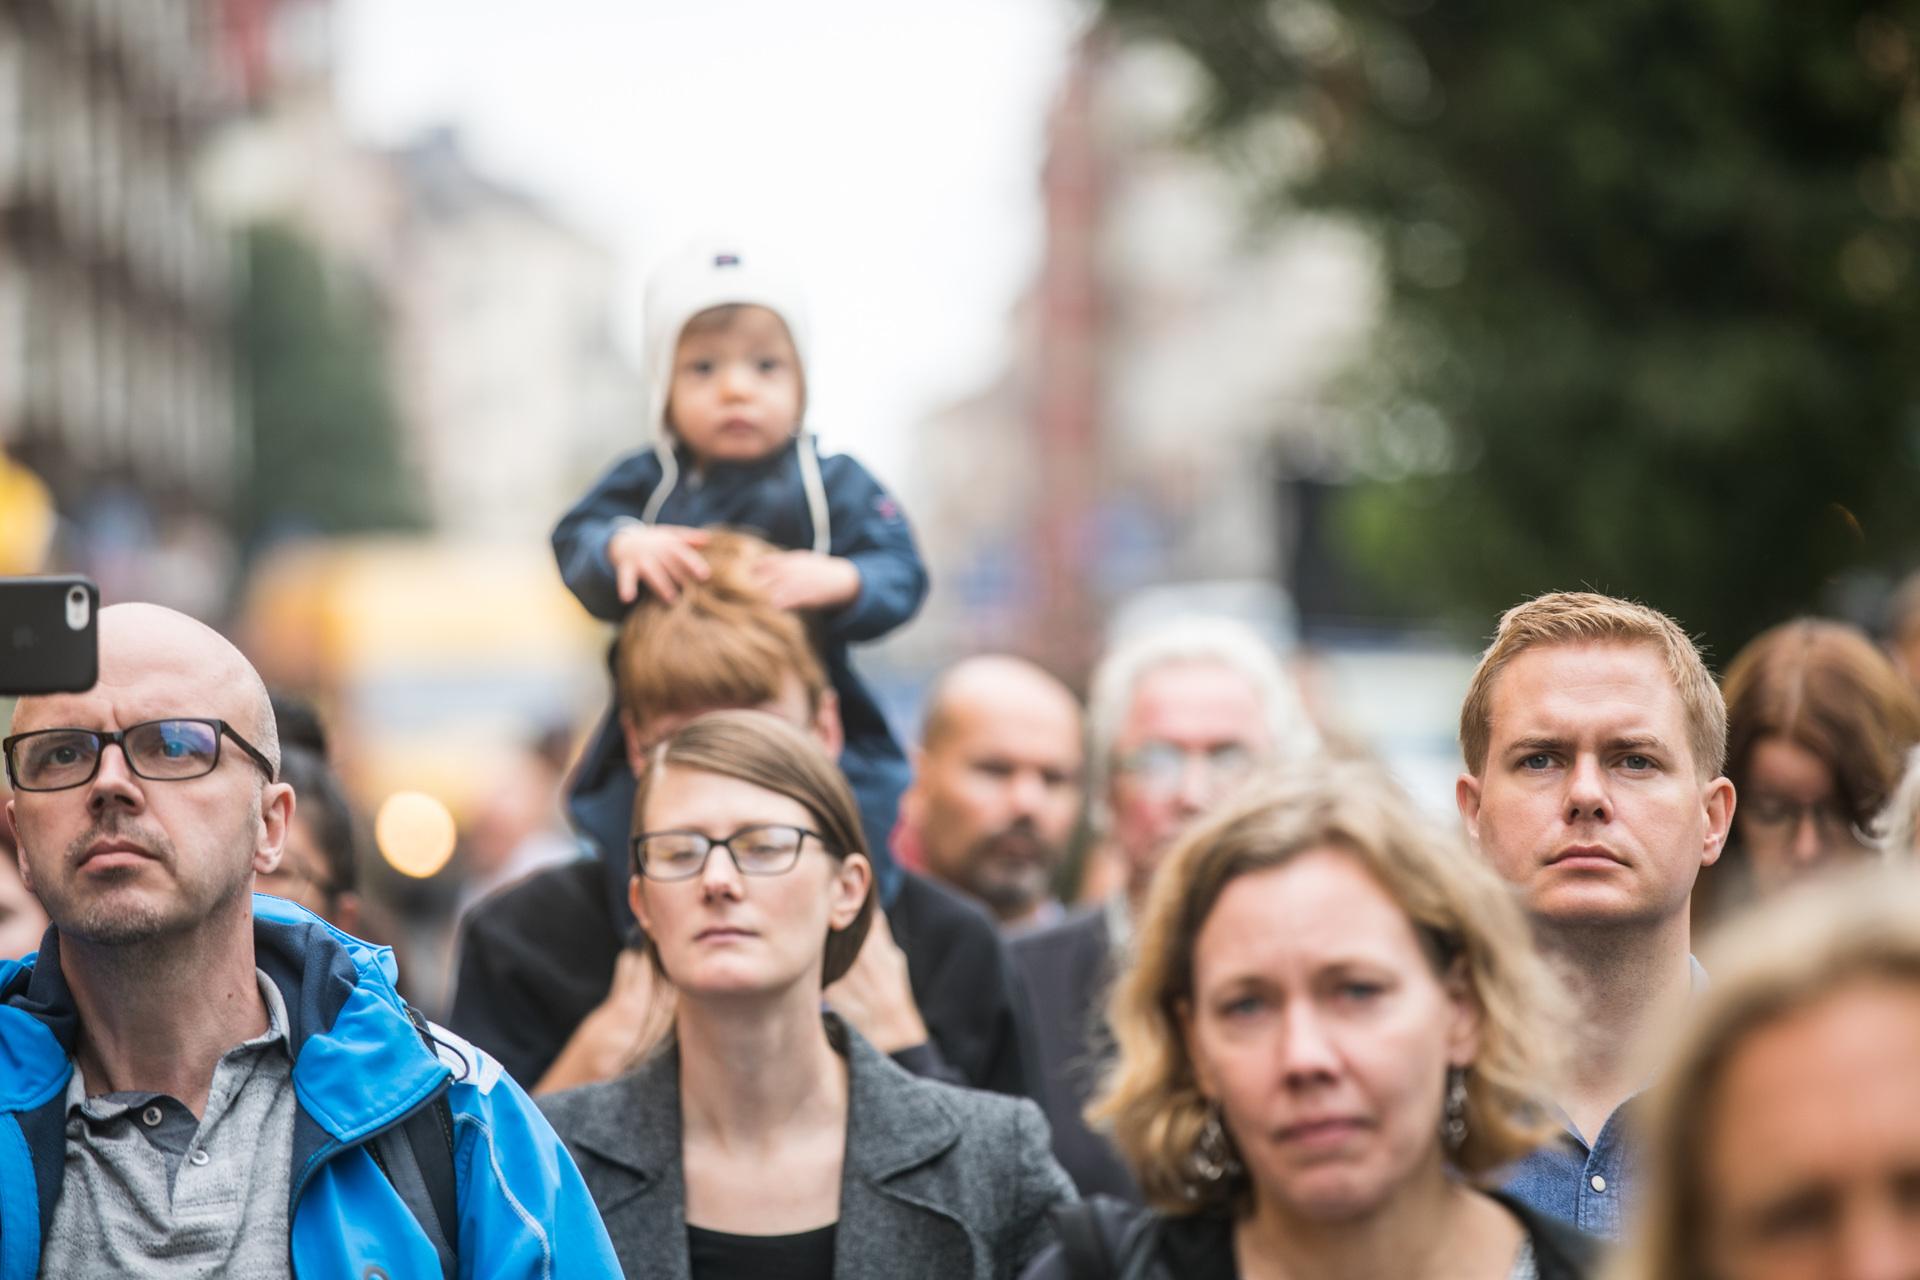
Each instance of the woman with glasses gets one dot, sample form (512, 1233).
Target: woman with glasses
(1330, 1038)
(1818, 727)
(766, 1138)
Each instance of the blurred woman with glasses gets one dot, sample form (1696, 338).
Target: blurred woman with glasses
(766, 1137)
(1818, 726)
(1329, 1039)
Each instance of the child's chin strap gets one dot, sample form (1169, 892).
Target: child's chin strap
(807, 448)
(809, 451)
(669, 476)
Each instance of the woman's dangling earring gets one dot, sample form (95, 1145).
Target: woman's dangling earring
(1453, 1126)
(1213, 1155)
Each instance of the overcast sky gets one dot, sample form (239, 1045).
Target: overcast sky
(892, 150)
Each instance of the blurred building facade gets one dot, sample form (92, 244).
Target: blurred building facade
(512, 390)
(116, 384)
(512, 393)
(1167, 382)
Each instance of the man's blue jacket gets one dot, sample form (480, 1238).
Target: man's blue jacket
(360, 1067)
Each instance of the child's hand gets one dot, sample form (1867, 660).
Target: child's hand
(663, 556)
(807, 580)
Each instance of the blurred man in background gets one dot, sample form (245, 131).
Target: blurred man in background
(518, 827)
(1179, 716)
(320, 866)
(997, 786)
(22, 922)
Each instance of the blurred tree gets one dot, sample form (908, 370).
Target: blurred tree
(1653, 320)
(326, 455)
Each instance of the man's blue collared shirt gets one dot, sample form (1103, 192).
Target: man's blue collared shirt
(1576, 1183)
(1580, 1183)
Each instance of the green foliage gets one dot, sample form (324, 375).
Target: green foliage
(1654, 310)
(326, 454)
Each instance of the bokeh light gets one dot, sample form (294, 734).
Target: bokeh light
(415, 833)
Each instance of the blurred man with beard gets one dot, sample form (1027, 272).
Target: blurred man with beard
(996, 786)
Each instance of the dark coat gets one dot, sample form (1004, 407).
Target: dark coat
(1067, 968)
(937, 1180)
(1145, 1245)
(765, 497)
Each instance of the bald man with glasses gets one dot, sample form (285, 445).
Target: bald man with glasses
(149, 1121)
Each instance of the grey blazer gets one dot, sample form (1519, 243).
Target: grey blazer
(937, 1180)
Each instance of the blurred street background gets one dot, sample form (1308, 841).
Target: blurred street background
(1358, 319)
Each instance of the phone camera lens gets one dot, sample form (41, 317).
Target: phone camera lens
(79, 607)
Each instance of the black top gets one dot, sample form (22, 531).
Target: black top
(1141, 1244)
(538, 956)
(720, 1255)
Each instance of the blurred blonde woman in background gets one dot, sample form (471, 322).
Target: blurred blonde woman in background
(1784, 1142)
(1331, 1031)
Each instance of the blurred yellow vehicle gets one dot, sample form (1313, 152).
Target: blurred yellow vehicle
(430, 660)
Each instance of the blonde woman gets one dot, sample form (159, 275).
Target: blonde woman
(1330, 1031)
(1784, 1143)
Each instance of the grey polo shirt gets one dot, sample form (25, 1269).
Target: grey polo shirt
(151, 1191)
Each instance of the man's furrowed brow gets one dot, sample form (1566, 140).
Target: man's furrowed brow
(1530, 743)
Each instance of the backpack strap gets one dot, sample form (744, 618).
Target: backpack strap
(417, 1157)
(1083, 1246)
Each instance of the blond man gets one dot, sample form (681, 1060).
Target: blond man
(1594, 738)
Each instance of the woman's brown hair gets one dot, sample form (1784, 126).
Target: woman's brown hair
(764, 750)
(1465, 916)
(1824, 686)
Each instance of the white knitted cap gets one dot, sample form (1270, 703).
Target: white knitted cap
(707, 274)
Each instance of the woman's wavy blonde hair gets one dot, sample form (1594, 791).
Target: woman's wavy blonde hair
(1465, 916)
(1788, 955)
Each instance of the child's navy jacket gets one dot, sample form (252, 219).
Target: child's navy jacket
(767, 497)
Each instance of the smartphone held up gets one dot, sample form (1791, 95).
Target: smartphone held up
(49, 635)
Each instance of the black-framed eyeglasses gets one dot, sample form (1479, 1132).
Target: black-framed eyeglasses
(1775, 818)
(763, 850)
(158, 750)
